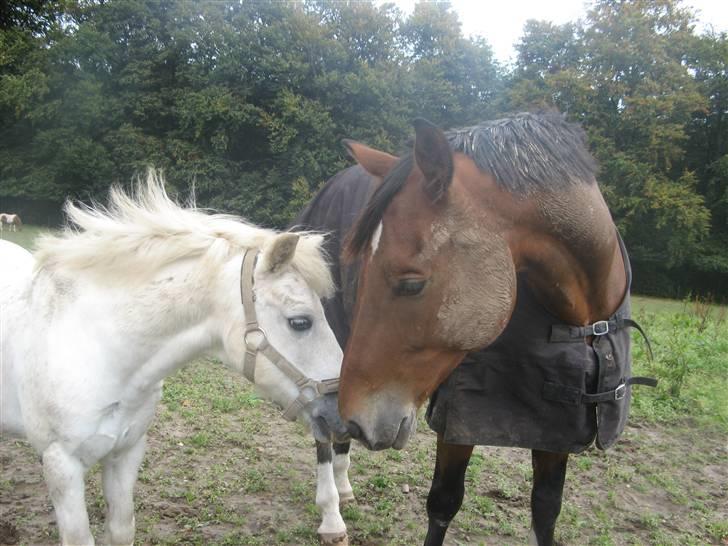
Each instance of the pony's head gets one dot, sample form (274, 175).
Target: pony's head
(290, 276)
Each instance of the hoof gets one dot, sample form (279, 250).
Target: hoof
(334, 539)
(346, 498)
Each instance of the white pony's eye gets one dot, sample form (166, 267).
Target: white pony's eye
(300, 323)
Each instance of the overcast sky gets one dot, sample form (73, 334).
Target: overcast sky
(501, 21)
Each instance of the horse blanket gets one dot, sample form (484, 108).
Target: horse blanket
(536, 385)
(540, 385)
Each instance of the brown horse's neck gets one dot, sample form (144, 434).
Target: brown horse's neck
(565, 242)
(570, 253)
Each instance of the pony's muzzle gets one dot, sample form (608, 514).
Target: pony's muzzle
(326, 423)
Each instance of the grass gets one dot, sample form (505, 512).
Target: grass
(649, 304)
(223, 467)
(690, 342)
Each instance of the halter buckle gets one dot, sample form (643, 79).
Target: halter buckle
(600, 328)
(620, 392)
(328, 386)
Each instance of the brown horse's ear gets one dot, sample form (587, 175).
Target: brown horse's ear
(433, 157)
(374, 162)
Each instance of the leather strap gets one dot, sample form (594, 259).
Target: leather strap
(247, 297)
(574, 396)
(564, 333)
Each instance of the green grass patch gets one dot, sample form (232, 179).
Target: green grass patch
(690, 343)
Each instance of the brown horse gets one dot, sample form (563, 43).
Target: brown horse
(11, 220)
(448, 236)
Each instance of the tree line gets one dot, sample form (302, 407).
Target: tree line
(248, 102)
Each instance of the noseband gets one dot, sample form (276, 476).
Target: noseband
(308, 389)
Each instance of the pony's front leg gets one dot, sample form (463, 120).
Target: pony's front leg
(448, 488)
(341, 472)
(119, 476)
(332, 530)
(64, 475)
(549, 473)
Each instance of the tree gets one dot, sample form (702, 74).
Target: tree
(623, 73)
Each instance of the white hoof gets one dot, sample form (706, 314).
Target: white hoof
(347, 497)
(333, 539)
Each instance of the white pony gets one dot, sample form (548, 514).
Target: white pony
(105, 311)
(11, 220)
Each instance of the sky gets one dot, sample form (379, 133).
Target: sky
(501, 21)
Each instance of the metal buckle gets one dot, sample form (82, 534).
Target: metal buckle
(600, 328)
(308, 392)
(620, 392)
(327, 386)
(250, 331)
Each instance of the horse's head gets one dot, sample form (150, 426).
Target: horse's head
(291, 339)
(437, 280)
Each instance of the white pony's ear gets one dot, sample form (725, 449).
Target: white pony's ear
(279, 252)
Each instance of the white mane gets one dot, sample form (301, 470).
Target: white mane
(139, 233)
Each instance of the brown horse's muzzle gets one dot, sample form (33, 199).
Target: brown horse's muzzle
(385, 422)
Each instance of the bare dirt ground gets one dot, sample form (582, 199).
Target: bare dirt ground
(224, 468)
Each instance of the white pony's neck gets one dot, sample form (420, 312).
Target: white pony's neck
(154, 328)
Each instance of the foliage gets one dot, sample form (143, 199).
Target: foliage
(248, 102)
(638, 78)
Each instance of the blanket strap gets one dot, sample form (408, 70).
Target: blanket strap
(573, 396)
(564, 333)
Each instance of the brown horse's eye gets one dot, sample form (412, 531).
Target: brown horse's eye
(409, 287)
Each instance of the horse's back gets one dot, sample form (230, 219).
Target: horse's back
(14, 258)
(15, 275)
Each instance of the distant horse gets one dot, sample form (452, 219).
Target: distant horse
(104, 312)
(440, 243)
(12, 220)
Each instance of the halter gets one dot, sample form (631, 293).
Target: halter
(308, 389)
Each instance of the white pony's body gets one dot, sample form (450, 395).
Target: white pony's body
(103, 314)
(11, 220)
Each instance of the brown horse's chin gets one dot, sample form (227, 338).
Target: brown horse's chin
(407, 429)
(386, 425)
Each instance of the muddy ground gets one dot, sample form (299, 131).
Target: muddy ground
(222, 467)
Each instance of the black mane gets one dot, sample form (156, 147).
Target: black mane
(525, 153)
(528, 152)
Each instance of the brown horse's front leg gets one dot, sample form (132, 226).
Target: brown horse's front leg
(448, 488)
(549, 473)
